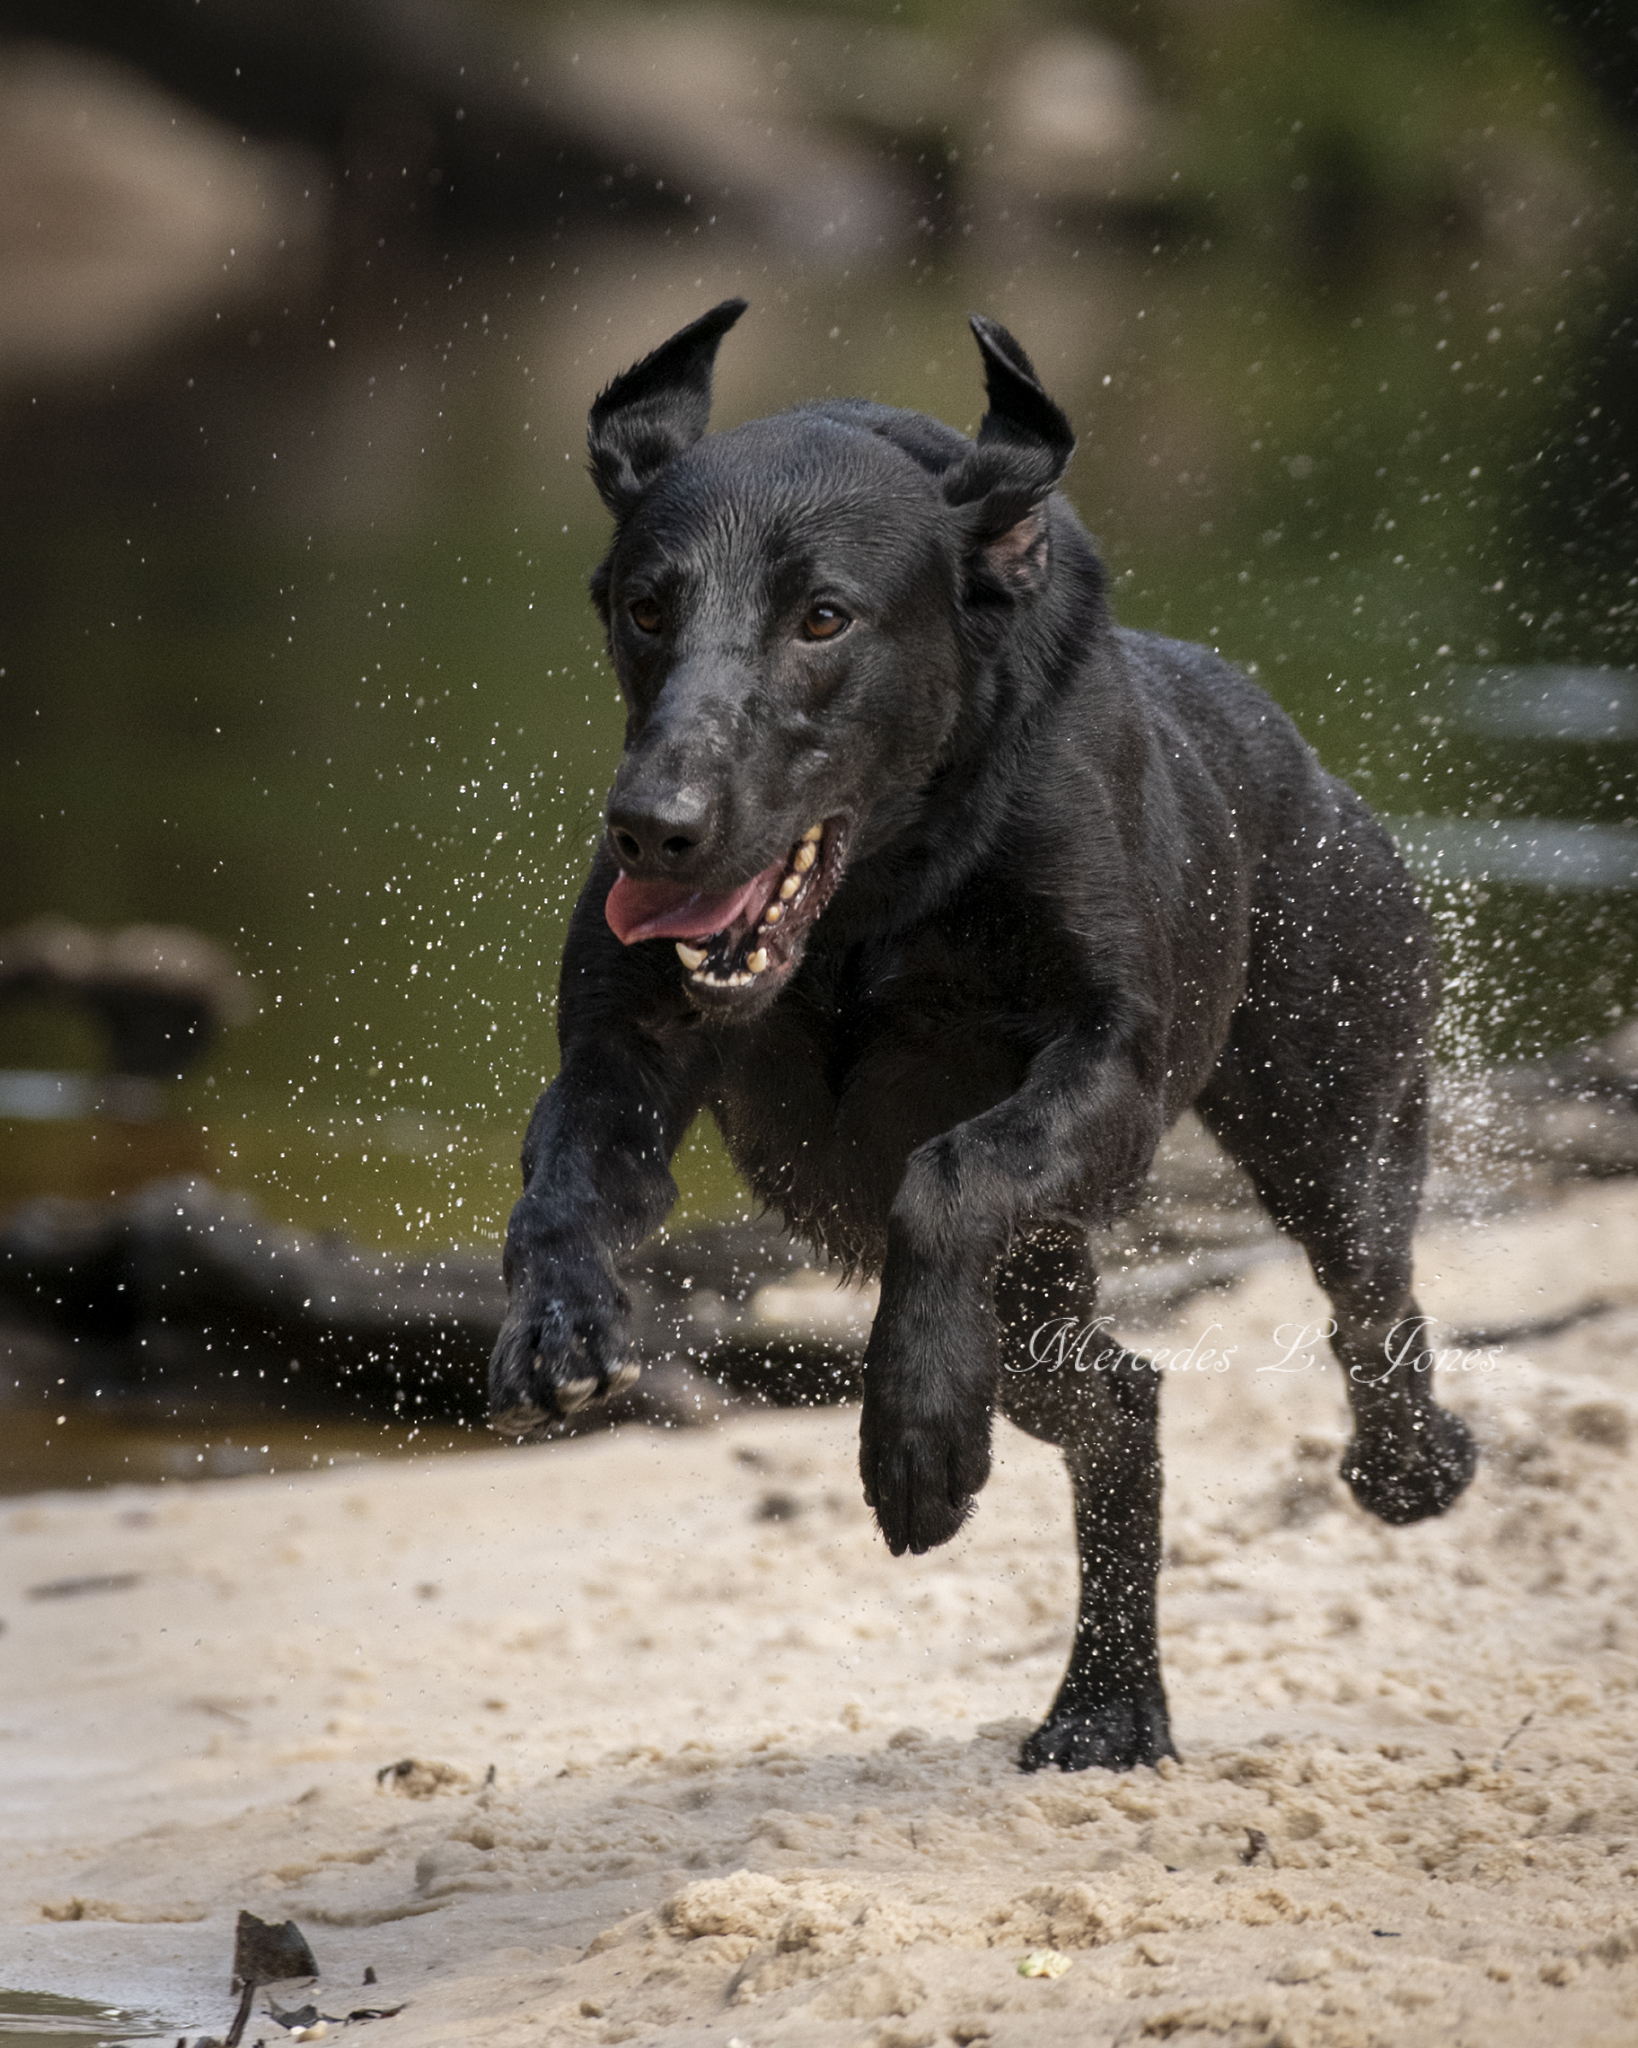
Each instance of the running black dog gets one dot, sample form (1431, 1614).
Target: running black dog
(946, 896)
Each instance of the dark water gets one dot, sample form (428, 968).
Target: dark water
(296, 647)
(44, 1445)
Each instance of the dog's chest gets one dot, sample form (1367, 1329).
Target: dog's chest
(873, 1053)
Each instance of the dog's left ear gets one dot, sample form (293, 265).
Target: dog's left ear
(1000, 489)
(656, 409)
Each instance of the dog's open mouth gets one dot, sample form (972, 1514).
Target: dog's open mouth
(743, 937)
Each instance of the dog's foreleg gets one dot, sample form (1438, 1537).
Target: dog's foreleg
(597, 1181)
(1082, 1119)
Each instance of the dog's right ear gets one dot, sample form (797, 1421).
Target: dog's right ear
(656, 409)
(1024, 446)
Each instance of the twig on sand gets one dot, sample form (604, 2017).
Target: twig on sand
(241, 2019)
(1495, 1763)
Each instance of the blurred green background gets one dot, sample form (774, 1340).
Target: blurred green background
(302, 321)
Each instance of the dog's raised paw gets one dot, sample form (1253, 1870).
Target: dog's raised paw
(922, 1488)
(1405, 1477)
(1116, 1735)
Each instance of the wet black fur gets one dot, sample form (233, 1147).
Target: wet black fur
(1093, 878)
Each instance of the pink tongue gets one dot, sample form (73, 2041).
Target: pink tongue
(666, 910)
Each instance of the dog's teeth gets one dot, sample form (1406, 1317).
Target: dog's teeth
(773, 913)
(740, 980)
(690, 956)
(789, 887)
(814, 832)
(804, 857)
(756, 961)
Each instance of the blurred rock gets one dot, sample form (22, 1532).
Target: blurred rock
(184, 1290)
(752, 115)
(1071, 123)
(406, 109)
(162, 992)
(187, 1288)
(404, 115)
(127, 215)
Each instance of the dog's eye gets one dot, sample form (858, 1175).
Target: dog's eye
(824, 622)
(646, 615)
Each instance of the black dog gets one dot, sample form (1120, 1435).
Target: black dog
(946, 896)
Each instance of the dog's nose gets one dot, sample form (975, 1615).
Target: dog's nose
(659, 834)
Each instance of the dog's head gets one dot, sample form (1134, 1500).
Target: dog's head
(795, 610)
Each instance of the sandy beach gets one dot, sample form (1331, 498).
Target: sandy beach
(698, 1762)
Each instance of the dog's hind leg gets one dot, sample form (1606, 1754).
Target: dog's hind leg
(1066, 1382)
(1338, 1157)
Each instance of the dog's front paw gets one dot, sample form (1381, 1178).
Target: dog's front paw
(1406, 1475)
(1113, 1736)
(921, 1465)
(558, 1348)
(921, 1486)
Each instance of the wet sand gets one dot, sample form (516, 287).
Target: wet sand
(753, 1778)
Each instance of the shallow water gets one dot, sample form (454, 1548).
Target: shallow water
(44, 1446)
(39, 2019)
